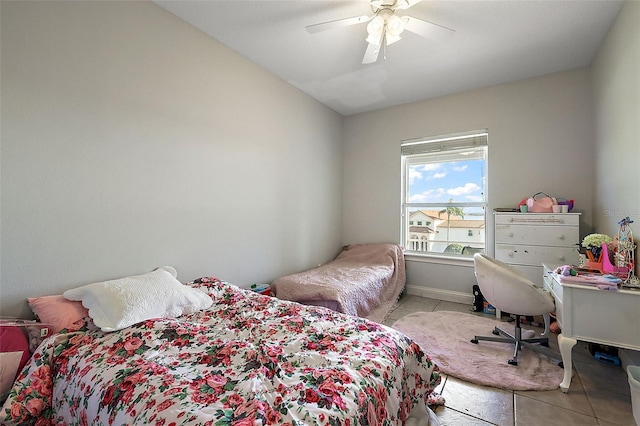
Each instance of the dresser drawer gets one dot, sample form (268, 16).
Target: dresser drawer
(535, 255)
(531, 272)
(560, 219)
(535, 234)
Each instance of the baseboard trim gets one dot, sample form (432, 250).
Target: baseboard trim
(440, 294)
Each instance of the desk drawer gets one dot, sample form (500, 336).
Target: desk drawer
(559, 312)
(557, 236)
(608, 317)
(555, 288)
(535, 255)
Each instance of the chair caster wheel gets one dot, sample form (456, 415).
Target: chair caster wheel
(561, 365)
(512, 362)
(474, 341)
(495, 332)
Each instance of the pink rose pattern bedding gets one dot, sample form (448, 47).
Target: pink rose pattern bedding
(248, 360)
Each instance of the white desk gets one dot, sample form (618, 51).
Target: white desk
(586, 313)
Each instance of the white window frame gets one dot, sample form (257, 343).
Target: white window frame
(414, 151)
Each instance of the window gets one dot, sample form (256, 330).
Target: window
(444, 185)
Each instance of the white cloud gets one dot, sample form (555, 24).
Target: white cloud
(434, 171)
(431, 195)
(460, 168)
(414, 175)
(468, 188)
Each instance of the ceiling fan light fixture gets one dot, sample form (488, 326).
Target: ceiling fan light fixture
(373, 39)
(384, 26)
(390, 39)
(395, 25)
(376, 26)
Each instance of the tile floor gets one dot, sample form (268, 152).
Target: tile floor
(599, 392)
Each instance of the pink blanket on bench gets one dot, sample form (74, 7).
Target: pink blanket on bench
(365, 280)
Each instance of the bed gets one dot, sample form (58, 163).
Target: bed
(364, 280)
(248, 359)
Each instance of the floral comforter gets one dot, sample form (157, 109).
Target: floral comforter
(248, 360)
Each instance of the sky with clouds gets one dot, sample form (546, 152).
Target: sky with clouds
(461, 181)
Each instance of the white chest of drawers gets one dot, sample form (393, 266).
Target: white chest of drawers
(526, 240)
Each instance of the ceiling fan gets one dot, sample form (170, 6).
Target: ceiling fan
(385, 26)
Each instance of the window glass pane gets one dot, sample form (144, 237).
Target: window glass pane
(454, 230)
(444, 182)
(444, 195)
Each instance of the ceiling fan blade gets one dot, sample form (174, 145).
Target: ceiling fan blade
(371, 54)
(338, 23)
(427, 29)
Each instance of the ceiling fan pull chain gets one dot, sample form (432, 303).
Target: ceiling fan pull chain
(384, 48)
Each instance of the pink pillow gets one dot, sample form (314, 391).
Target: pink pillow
(58, 311)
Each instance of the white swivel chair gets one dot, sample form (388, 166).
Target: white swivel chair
(507, 290)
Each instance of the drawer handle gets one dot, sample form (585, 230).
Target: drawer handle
(561, 258)
(510, 254)
(511, 234)
(561, 237)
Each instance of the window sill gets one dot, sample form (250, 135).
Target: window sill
(440, 260)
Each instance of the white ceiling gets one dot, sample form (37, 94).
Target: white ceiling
(494, 42)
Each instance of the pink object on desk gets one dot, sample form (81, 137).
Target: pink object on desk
(610, 268)
(593, 280)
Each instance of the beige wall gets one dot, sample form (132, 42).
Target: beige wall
(616, 87)
(540, 139)
(131, 140)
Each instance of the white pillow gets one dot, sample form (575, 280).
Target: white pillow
(117, 304)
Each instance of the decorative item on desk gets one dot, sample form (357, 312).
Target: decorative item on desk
(582, 260)
(593, 243)
(624, 261)
(566, 270)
